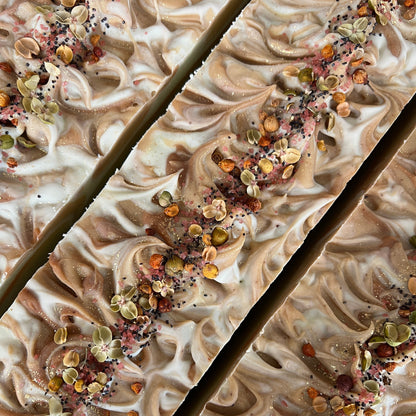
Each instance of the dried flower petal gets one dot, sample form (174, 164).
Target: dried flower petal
(271, 124)
(55, 384)
(247, 177)
(27, 47)
(343, 109)
(94, 387)
(265, 165)
(60, 336)
(4, 99)
(55, 408)
(253, 136)
(219, 236)
(319, 404)
(217, 209)
(70, 375)
(195, 230)
(6, 141)
(290, 71)
(411, 284)
(306, 75)
(165, 199)
(209, 253)
(210, 271)
(65, 54)
(71, 359)
(174, 265)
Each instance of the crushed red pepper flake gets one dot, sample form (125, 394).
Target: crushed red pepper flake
(308, 350)
(136, 387)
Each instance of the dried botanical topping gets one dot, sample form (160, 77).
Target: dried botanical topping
(60, 336)
(195, 230)
(5, 66)
(343, 109)
(11, 162)
(253, 204)
(172, 210)
(306, 75)
(68, 3)
(70, 375)
(123, 303)
(165, 199)
(174, 265)
(355, 32)
(291, 71)
(389, 367)
(79, 386)
(271, 124)
(411, 284)
(327, 52)
(226, 165)
(210, 271)
(308, 350)
(360, 76)
(136, 387)
(71, 359)
(330, 121)
(219, 236)
(253, 136)
(209, 253)
(337, 403)
(264, 141)
(344, 383)
(321, 145)
(350, 409)
(156, 261)
(412, 240)
(384, 351)
(105, 346)
(248, 178)
(6, 141)
(55, 383)
(312, 392)
(4, 99)
(217, 210)
(27, 47)
(74, 19)
(65, 54)
(319, 404)
(94, 39)
(164, 305)
(363, 11)
(265, 165)
(338, 97)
